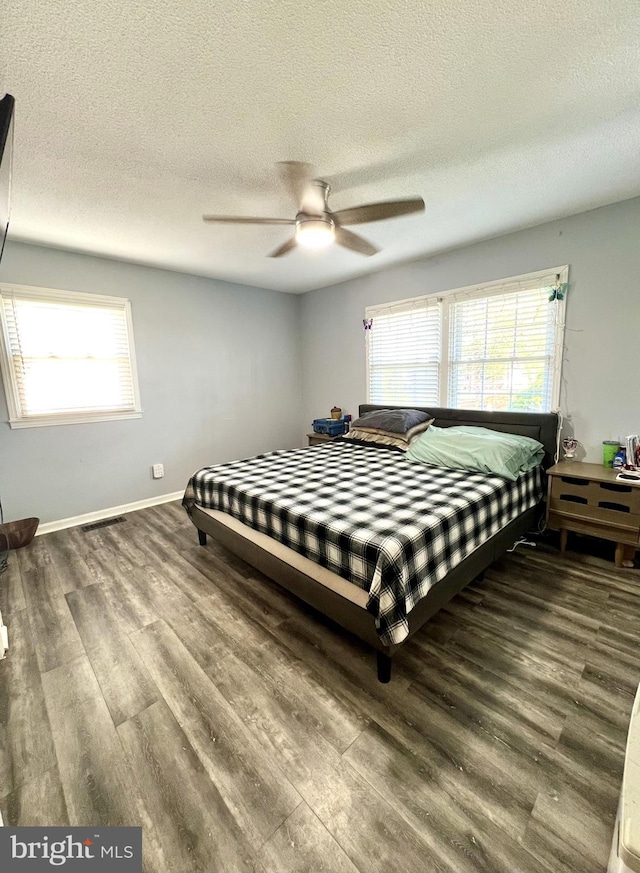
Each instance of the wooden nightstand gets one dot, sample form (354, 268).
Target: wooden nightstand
(316, 439)
(587, 499)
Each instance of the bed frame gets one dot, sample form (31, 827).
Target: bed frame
(354, 618)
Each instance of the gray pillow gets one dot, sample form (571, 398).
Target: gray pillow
(392, 420)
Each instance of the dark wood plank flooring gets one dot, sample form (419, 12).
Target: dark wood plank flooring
(151, 681)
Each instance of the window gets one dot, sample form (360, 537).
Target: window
(492, 346)
(66, 357)
(410, 368)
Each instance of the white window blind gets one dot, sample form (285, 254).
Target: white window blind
(404, 353)
(493, 346)
(501, 350)
(67, 357)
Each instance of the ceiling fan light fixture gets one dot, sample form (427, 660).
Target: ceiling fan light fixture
(315, 233)
(316, 225)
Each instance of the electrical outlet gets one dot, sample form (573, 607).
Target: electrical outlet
(158, 471)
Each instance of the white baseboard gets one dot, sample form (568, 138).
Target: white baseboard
(88, 517)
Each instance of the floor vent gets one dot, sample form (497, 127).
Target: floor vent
(97, 524)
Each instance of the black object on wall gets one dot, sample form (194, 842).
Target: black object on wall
(6, 153)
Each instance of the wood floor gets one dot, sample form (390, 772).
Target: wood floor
(151, 681)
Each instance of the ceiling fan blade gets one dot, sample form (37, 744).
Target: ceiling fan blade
(237, 219)
(356, 243)
(379, 211)
(284, 249)
(299, 178)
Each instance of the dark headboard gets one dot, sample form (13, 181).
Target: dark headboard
(542, 426)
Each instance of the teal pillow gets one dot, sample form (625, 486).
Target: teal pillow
(478, 450)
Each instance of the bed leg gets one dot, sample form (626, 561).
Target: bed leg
(384, 667)
(202, 537)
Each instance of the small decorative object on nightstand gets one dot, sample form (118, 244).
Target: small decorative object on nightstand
(587, 499)
(569, 444)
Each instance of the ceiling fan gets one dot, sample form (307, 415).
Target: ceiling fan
(316, 226)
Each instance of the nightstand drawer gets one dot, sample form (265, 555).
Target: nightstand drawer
(319, 439)
(576, 493)
(619, 518)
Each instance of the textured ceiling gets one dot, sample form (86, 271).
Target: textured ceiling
(134, 118)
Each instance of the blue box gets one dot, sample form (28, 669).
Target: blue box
(332, 426)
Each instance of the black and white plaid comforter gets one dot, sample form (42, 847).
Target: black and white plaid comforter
(391, 526)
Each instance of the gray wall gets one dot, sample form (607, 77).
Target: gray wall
(601, 384)
(218, 367)
(223, 367)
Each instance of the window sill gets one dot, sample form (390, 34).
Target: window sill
(81, 418)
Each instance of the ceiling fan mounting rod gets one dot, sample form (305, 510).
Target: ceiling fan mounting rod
(325, 188)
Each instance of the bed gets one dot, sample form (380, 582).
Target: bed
(377, 543)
